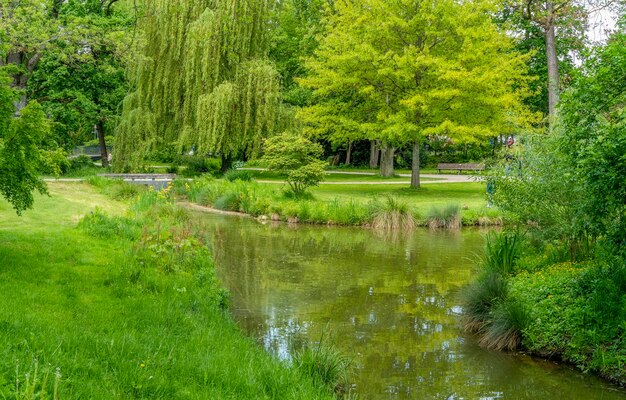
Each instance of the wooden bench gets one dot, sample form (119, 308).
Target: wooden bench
(460, 167)
(141, 177)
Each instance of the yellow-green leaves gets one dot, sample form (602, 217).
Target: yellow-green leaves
(202, 73)
(404, 69)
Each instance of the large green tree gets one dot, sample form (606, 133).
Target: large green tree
(20, 153)
(404, 70)
(201, 80)
(572, 184)
(557, 28)
(80, 82)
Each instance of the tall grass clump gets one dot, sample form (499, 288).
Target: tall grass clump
(480, 298)
(508, 318)
(36, 383)
(392, 214)
(101, 225)
(238, 174)
(448, 217)
(325, 366)
(490, 311)
(116, 188)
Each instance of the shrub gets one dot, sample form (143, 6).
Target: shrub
(448, 217)
(298, 158)
(577, 311)
(172, 169)
(197, 165)
(77, 163)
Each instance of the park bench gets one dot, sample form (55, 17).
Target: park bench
(460, 167)
(141, 177)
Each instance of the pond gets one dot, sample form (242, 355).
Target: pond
(388, 302)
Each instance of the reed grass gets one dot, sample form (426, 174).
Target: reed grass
(392, 214)
(448, 217)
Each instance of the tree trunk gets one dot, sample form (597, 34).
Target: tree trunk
(553, 65)
(348, 153)
(415, 166)
(227, 162)
(103, 146)
(20, 78)
(374, 153)
(386, 161)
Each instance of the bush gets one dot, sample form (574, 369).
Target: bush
(298, 158)
(197, 165)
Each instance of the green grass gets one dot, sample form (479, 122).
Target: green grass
(440, 194)
(349, 204)
(115, 322)
(337, 177)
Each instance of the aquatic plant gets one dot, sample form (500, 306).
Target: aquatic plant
(502, 251)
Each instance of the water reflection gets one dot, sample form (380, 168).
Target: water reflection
(390, 303)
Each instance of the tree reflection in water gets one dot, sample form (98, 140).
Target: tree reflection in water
(390, 303)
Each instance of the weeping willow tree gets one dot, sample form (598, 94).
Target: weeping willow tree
(201, 78)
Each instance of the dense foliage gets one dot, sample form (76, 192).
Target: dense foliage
(200, 80)
(297, 158)
(566, 296)
(571, 184)
(398, 72)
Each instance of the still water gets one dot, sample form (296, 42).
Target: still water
(389, 302)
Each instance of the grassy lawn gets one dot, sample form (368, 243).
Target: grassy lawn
(470, 194)
(114, 327)
(336, 177)
(345, 204)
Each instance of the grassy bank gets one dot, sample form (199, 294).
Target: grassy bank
(545, 305)
(121, 304)
(351, 204)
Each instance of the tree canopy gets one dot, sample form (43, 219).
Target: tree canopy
(20, 153)
(400, 71)
(201, 80)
